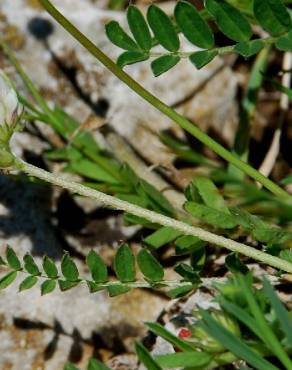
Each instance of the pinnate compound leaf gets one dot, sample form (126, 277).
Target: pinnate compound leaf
(48, 286)
(149, 266)
(69, 269)
(161, 237)
(8, 279)
(160, 331)
(163, 28)
(49, 267)
(146, 358)
(117, 289)
(249, 48)
(184, 359)
(124, 264)
(30, 265)
(12, 259)
(164, 64)
(229, 20)
(193, 26)
(139, 28)
(211, 216)
(131, 57)
(285, 43)
(94, 364)
(97, 267)
(28, 283)
(119, 37)
(202, 58)
(272, 15)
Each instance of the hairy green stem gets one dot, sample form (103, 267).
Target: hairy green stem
(161, 106)
(153, 217)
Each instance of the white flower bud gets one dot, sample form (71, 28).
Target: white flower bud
(10, 108)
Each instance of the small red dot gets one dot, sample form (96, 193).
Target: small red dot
(184, 333)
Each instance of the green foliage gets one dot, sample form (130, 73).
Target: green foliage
(193, 25)
(255, 328)
(233, 18)
(163, 28)
(230, 20)
(273, 16)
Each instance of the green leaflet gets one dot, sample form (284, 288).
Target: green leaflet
(158, 199)
(28, 283)
(247, 49)
(163, 64)
(162, 236)
(163, 28)
(145, 357)
(30, 265)
(117, 289)
(285, 43)
(272, 15)
(286, 254)
(8, 279)
(124, 264)
(91, 170)
(234, 264)
(139, 28)
(97, 267)
(193, 26)
(202, 58)
(184, 359)
(131, 57)
(180, 291)
(211, 216)
(210, 194)
(229, 20)
(187, 272)
(49, 267)
(66, 284)
(48, 286)
(119, 37)
(69, 269)
(149, 266)
(12, 259)
(188, 244)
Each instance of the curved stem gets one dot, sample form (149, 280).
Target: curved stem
(161, 106)
(154, 217)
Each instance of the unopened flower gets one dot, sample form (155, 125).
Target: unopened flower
(10, 108)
